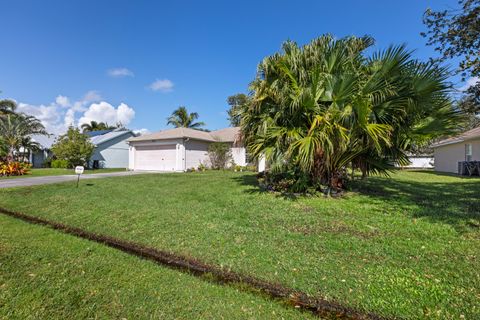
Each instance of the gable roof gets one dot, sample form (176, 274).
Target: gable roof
(102, 138)
(469, 135)
(44, 141)
(223, 135)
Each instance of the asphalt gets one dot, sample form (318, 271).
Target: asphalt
(33, 181)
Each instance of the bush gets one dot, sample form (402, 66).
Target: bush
(202, 167)
(219, 154)
(14, 168)
(59, 164)
(74, 147)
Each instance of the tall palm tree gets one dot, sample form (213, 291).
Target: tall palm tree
(7, 106)
(325, 106)
(180, 118)
(14, 128)
(96, 126)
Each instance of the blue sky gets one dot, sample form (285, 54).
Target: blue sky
(60, 57)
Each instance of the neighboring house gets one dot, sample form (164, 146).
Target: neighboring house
(180, 149)
(111, 148)
(38, 158)
(451, 151)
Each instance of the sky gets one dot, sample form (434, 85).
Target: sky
(136, 61)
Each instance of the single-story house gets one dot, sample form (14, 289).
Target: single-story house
(180, 149)
(37, 158)
(451, 151)
(111, 148)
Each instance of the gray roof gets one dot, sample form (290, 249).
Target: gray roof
(469, 135)
(45, 141)
(223, 135)
(97, 140)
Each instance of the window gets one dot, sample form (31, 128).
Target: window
(468, 152)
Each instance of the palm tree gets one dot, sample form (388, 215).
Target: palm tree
(320, 108)
(180, 118)
(7, 106)
(14, 128)
(96, 126)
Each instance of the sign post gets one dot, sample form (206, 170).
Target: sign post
(79, 172)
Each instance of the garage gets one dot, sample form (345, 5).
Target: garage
(157, 157)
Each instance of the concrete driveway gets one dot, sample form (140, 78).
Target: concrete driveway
(24, 182)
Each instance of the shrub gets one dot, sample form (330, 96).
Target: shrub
(14, 168)
(202, 167)
(74, 147)
(219, 154)
(59, 164)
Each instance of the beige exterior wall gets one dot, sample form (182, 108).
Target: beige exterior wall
(448, 156)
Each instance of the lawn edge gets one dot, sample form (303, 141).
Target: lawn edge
(298, 299)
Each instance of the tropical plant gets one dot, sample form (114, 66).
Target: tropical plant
(15, 128)
(96, 126)
(7, 106)
(74, 147)
(14, 168)
(318, 109)
(180, 118)
(219, 154)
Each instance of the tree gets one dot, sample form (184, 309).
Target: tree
(180, 118)
(237, 103)
(456, 33)
(219, 154)
(15, 127)
(326, 106)
(74, 147)
(7, 106)
(96, 126)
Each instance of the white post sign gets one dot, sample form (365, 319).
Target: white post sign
(78, 172)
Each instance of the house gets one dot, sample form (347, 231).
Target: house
(181, 148)
(451, 151)
(111, 148)
(37, 158)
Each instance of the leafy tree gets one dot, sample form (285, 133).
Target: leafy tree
(180, 118)
(74, 147)
(15, 128)
(219, 154)
(96, 126)
(323, 107)
(237, 103)
(456, 33)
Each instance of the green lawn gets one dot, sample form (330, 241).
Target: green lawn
(41, 172)
(406, 246)
(48, 275)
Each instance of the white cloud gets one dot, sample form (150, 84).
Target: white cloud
(469, 83)
(163, 85)
(120, 73)
(62, 101)
(62, 113)
(141, 131)
(105, 112)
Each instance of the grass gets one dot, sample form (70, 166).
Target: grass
(49, 275)
(405, 246)
(42, 172)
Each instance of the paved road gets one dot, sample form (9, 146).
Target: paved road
(24, 182)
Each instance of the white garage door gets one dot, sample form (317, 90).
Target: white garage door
(162, 158)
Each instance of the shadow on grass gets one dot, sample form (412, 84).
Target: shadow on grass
(251, 181)
(454, 203)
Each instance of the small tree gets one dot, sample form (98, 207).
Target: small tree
(237, 103)
(74, 147)
(219, 154)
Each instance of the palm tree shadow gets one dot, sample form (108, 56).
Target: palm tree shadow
(454, 203)
(251, 181)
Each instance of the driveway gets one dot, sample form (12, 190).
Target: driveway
(25, 182)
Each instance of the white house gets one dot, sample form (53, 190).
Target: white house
(181, 148)
(451, 151)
